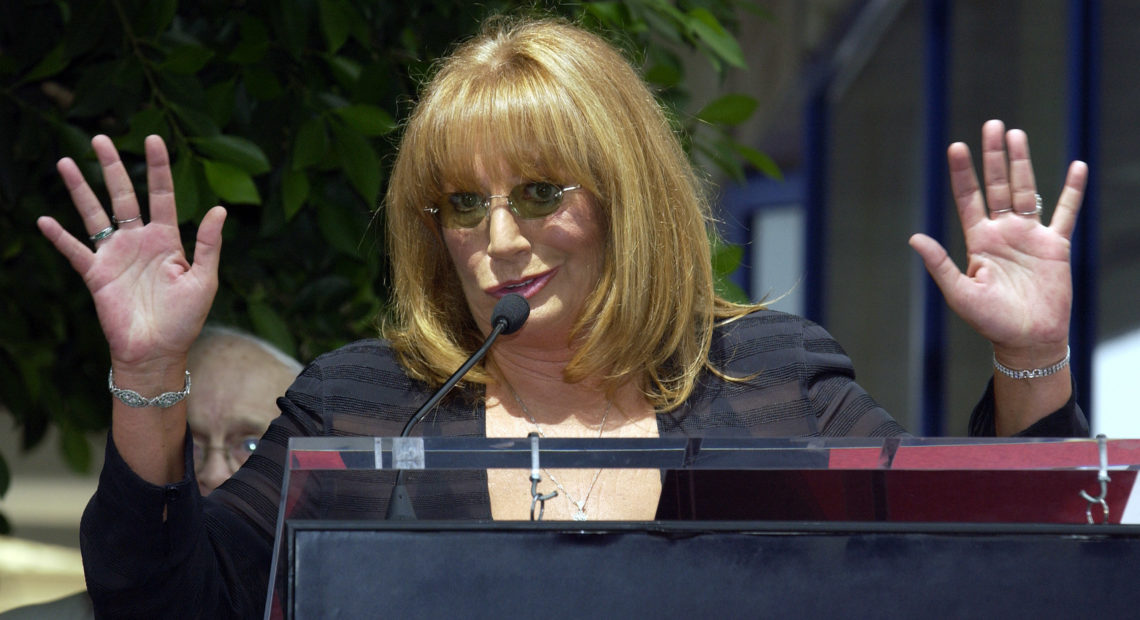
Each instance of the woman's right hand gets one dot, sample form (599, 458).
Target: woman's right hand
(151, 301)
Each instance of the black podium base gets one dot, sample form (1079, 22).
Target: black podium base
(707, 569)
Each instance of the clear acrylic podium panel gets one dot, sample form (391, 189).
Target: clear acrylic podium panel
(729, 485)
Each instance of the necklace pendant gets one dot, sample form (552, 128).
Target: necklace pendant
(579, 515)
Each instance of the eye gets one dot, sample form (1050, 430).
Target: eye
(541, 192)
(465, 202)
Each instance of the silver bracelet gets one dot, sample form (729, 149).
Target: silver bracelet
(132, 398)
(1033, 373)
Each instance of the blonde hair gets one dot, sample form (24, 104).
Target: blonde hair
(552, 100)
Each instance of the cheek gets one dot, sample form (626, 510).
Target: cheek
(462, 252)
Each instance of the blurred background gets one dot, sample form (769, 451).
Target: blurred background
(822, 125)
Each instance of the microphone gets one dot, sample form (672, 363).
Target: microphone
(507, 318)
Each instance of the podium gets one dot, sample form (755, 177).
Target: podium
(745, 527)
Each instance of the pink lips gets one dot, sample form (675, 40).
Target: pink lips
(527, 287)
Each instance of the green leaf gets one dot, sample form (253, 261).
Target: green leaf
(98, 88)
(359, 162)
(727, 289)
(261, 82)
(153, 16)
(722, 156)
(294, 192)
(727, 257)
(707, 29)
(345, 70)
(366, 119)
(609, 13)
(74, 142)
(760, 161)
(75, 448)
(187, 59)
(144, 123)
(254, 43)
(54, 62)
(731, 109)
(233, 184)
(311, 145)
(336, 22)
(341, 227)
(187, 194)
(269, 325)
(198, 122)
(220, 102)
(235, 150)
(663, 75)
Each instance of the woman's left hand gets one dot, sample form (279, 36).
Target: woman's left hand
(1017, 288)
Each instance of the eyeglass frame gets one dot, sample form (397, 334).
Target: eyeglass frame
(486, 203)
(232, 462)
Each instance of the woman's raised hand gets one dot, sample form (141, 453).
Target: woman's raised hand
(1017, 288)
(150, 299)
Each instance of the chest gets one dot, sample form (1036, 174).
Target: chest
(574, 494)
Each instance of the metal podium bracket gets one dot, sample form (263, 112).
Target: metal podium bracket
(535, 478)
(1102, 477)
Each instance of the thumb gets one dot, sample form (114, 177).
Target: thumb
(938, 264)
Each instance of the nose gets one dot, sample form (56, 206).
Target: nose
(212, 471)
(505, 236)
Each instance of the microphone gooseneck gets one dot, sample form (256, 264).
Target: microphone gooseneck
(508, 317)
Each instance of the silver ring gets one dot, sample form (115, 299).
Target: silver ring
(1038, 203)
(997, 211)
(102, 234)
(117, 222)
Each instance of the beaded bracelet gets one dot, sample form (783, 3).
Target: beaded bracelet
(1033, 373)
(132, 398)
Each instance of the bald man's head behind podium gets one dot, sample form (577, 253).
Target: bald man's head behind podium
(237, 379)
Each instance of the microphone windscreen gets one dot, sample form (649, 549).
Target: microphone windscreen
(512, 310)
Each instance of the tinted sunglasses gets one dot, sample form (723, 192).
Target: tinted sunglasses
(530, 201)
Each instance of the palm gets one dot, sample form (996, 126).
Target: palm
(1016, 290)
(145, 292)
(150, 300)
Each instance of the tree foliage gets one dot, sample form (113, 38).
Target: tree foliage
(286, 111)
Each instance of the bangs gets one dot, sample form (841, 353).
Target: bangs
(515, 115)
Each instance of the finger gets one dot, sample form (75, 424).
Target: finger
(160, 182)
(1069, 204)
(76, 253)
(85, 201)
(994, 166)
(1023, 186)
(964, 185)
(124, 203)
(942, 270)
(208, 248)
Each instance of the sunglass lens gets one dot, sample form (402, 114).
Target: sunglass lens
(462, 210)
(536, 199)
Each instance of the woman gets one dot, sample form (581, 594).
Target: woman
(536, 162)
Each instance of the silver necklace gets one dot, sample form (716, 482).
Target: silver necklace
(579, 513)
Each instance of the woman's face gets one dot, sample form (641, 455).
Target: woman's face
(554, 262)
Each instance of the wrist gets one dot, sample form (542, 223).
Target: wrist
(1036, 372)
(1037, 356)
(133, 399)
(152, 377)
